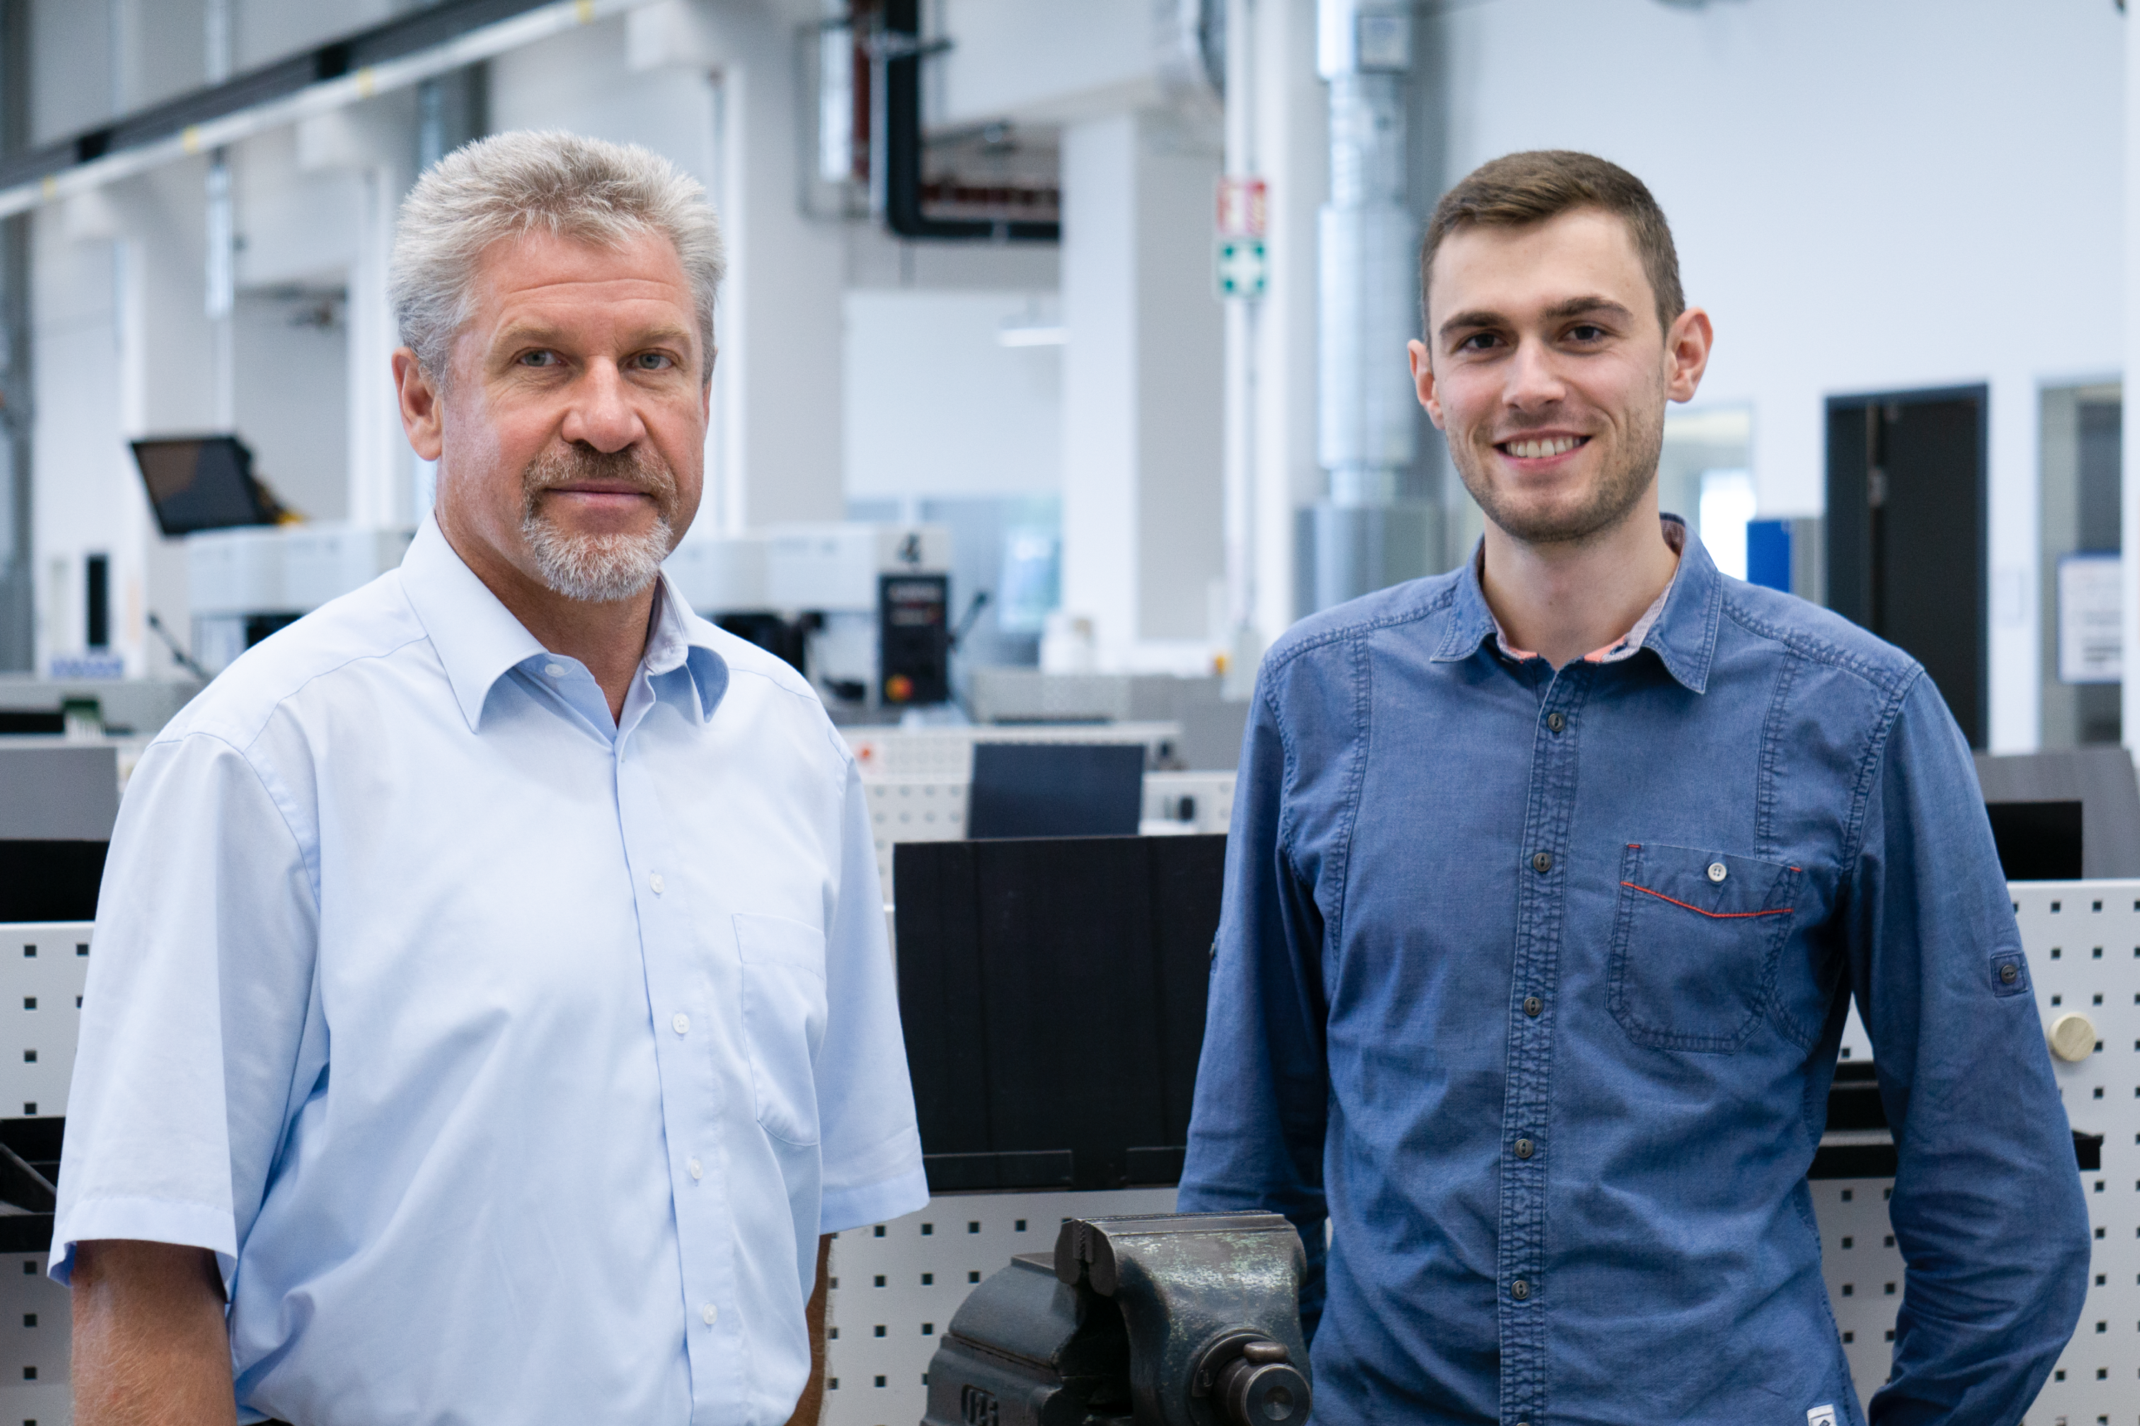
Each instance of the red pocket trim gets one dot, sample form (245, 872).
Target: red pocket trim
(1712, 915)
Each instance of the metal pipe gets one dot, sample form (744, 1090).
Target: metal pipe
(1366, 533)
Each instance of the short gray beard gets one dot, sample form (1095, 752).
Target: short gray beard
(1619, 489)
(597, 569)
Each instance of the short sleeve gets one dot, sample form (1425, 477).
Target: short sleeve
(871, 1150)
(207, 918)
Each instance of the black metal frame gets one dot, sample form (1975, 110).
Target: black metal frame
(395, 39)
(903, 146)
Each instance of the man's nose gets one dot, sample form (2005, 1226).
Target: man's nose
(602, 414)
(1533, 377)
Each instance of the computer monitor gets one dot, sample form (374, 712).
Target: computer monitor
(202, 483)
(1055, 790)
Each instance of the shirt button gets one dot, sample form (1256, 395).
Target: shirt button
(654, 881)
(1542, 862)
(1717, 871)
(555, 670)
(697, 1171)
(2009, 973)
(1556, 722)
(709, 1312)
(1520, 1290)
(1523, 1148)
(1532, 1005)
(681, 1024)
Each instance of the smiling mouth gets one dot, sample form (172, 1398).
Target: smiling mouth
(1541, 448)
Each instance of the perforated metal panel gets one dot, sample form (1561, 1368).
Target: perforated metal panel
(33, 1344)
(896, 1284)
(42, 968)
(41, 1006)
(2083, 944)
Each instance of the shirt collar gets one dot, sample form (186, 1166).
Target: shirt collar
(479, 641)
(1680, 628)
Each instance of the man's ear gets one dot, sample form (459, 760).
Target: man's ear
(422, 408)
(1686, 353)
(1423, 382)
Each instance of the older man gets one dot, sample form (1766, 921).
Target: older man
(491, 1001)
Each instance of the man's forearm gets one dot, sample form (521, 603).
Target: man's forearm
(150, 1343)
(812, 1403)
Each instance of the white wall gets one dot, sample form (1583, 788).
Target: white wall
(935, 404)
(1866, 197)
(1142, 384)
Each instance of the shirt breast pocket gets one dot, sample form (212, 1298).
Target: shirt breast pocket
(783, 1020)
(1695, 945)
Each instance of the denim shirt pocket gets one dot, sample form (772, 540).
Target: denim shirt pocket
(783, 1020)
(1695, 945)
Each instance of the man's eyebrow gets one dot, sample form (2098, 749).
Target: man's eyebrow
(521, 334)
(1592, 305)
(1586, 306)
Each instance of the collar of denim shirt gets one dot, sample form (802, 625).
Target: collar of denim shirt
(479, 641)
(1683, 636)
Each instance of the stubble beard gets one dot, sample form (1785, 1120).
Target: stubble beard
(1619, 488)
(597, 569)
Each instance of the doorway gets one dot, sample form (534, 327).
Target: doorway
(2082, 630)
(1907, 486)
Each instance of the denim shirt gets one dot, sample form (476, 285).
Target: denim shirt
(1530, 984)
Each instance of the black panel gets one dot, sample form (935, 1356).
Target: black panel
(914, 638)
(96, 601)
(1053, 997)
(32, 720)
(49, 881)
(1907, 546)
(2038, 841)
(1849, 528)
(1929, 549)
(1055, 790)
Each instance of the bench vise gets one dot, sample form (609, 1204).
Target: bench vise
(1166, 1319)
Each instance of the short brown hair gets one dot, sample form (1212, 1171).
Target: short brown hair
(1520, 189)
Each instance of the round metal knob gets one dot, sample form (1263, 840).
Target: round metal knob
(2072, 1038)
(1261, 1388)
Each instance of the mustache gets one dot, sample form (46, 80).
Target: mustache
(640, 469)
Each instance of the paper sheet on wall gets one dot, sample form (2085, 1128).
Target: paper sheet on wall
(2091, 622)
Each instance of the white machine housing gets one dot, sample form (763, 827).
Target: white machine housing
(233, 576)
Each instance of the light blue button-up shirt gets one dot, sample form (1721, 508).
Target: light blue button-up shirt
(510, 1059)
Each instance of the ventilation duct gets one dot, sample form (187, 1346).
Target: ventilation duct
(1367, 533)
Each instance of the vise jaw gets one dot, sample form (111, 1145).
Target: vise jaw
(1166, 1319)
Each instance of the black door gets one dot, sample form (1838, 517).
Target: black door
(1906, 533)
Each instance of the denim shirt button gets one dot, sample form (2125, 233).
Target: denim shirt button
(1542, 862)
(1532, 1005)
(1556, 722)
(1523, 1148)
(1521, 1290)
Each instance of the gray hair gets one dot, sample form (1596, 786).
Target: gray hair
(514, 183)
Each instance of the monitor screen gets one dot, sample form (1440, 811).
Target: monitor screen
(201, 483)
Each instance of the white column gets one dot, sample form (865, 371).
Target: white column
(376, 141)
(1099, 283)
(1143, 389)
(1292, 149)
(2129, 504)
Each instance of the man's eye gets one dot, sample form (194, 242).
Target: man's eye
(1477, 342)
(653, 361)
(1586, 332)
(543, 358)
